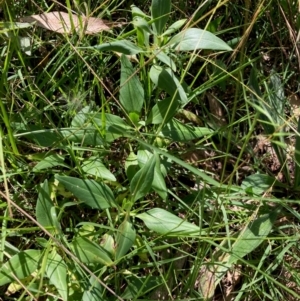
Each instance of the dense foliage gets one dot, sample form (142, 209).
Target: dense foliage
(149, 150)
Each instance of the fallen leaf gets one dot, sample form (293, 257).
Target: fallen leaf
(62, 22)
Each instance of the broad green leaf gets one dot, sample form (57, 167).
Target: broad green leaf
(143, 31)
(87, 136)
(177, 131)
(165, 59)
(174, 27)
(209, 180)
(258, 183)
(43, 242)
(125, 238)
(94, 292)
(248, 240)
(116, 123)
(108, 243)
(115, 126)
(158, 184)
(86, 229)
(83, 130)
(82, 118)
(252, 236)
(134, 117)
(94, 166)
(55, 220)
(166, 80)
(20, 265)
(141, 23)
(234, 41)
(143, 156)
(89, 252)
(42, 137)
(276, 99)
(56, 271)
(49, 162)
(94, 194)
(165, 165)
(122, 46)
(166, 223)
(137, 12)
(214, 24)
(142, 181)
(131, 89)
(44, 205)
(131, 165)
(195, 38)
(160, 10)
(164, 110)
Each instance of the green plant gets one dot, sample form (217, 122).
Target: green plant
(148, 121)
(105, 129)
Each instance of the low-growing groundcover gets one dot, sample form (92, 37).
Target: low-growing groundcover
(149, 150)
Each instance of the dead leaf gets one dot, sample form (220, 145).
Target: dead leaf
(62, 22)
(187, 115)
(206, 281)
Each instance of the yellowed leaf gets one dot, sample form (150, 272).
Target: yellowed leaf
(62, 22)
(216, 110)
(206, 282)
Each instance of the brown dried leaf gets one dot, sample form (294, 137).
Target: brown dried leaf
(62, 22)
